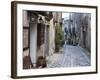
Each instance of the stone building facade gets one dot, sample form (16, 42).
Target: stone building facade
(78, 25)
(38, 36)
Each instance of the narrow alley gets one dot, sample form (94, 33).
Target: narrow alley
(56, 39)
(71, 56)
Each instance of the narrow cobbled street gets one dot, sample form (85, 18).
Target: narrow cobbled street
(70, 56)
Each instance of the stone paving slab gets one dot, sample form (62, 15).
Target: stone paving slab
(72, 56)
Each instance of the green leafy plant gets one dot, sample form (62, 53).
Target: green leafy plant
(59, 37)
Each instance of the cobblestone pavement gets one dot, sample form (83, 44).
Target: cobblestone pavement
(71, 56)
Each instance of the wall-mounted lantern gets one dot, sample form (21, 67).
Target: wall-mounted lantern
(41, 20)
(32, 17)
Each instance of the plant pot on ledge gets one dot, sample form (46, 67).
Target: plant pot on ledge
(41, 62)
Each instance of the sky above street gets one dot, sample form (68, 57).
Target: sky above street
(65, 15)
